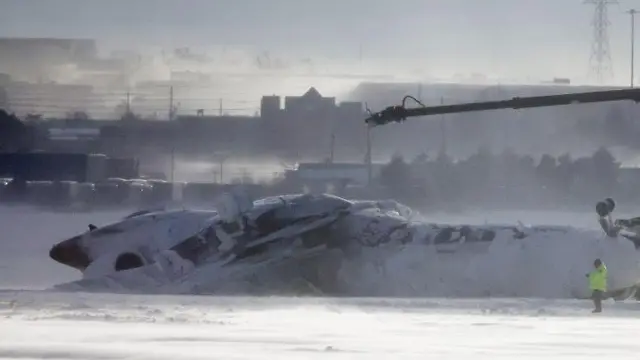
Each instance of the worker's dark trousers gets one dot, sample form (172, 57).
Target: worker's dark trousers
(597, 296)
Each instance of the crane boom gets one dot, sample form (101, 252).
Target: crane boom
(399, 113)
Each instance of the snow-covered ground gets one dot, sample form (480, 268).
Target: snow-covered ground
(44, 324)
(66, 326)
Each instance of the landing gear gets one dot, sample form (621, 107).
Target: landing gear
(606, 207)
(628, 228)
(604, 210)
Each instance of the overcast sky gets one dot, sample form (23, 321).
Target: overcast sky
(507, 37)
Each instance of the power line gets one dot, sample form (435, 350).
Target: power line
(600, 60)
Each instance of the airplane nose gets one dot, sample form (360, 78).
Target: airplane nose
(70, 253)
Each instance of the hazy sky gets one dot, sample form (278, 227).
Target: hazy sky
(516, 38)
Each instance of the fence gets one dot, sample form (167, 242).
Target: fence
(102, 103)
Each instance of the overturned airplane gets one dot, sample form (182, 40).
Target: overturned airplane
(306, 241)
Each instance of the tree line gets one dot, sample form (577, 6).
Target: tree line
(506, 179)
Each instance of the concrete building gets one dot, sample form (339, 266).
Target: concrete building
(314, 124)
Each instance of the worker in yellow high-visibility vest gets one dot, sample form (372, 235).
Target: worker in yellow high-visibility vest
(598, 284)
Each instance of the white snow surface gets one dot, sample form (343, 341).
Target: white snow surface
(42, 325)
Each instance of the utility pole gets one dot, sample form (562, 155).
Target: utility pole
(173, 136)
(368, 159)
(128, 103)
(173, 159)
(220, 107)
(221, 157)
(171, 103)
(443, 129)
(600, 60)
(333, 146)
(633, 12)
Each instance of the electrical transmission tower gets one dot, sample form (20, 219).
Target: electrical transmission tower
(600, 61)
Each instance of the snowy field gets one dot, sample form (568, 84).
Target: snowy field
(53, 326)
(36, 323)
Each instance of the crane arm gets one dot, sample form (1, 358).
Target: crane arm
(399, 113)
